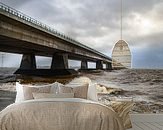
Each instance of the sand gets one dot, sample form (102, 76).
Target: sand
(144, 87)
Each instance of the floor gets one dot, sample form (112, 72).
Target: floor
(147, 121)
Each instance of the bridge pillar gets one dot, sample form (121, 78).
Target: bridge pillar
(28, 62)
(84, 64)
(108, 66)
(99, 64)
(59, 61)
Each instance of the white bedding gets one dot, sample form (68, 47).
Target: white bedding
(59, 114)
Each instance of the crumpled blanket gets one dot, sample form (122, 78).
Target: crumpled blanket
(123, 109)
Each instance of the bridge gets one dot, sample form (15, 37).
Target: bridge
(22, 34)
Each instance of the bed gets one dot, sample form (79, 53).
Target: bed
(69, 109)
(59, 114)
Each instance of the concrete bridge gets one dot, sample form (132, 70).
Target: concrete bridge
(22, 34)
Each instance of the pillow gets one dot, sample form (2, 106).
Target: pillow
(63, 89)
(50, 95)
(55, 87)
(19, 94)
(79, 92)
(73, 85)
(92, 92)
(24, 92)
(29, 90)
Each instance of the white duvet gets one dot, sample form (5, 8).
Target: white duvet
(59, 114)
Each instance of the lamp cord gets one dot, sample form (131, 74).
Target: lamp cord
(121, 19)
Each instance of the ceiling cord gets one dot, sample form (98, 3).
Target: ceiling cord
(121, 19)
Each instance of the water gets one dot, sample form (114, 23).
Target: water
(145, 87)
(142, 85)
(6, 74)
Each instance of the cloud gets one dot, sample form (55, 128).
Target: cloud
(15, 3)
(148, 58)
(96, 23)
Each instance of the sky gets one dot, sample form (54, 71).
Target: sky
(96, 23)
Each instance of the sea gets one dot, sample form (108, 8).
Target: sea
(143, 86)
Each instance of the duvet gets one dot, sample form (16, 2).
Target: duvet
(59, 114)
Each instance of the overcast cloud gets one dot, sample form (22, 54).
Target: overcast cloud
(96, 23)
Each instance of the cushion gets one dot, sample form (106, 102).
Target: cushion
(92, 92)
(19, 94)
(63, 89)
(79, 92)
(29, 90)
(24, 92)
(55, 87)
(50, 95)
(73, 85)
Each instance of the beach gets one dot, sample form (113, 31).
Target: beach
(143, 86)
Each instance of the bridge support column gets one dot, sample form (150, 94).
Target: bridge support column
(28, 62)
(108, 66)
(99, 64)
(84, 64)
(59, 61)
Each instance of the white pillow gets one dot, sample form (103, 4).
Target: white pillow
(79, 92)
(92, 92)
(20, 96)
(74, 85)
(49, 95)
(55, 87)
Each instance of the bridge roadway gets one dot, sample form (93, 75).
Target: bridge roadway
(22, 34)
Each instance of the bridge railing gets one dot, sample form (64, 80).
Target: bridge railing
(31, 20)
(22, 16)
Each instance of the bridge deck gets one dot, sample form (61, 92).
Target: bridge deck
(26, 20)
